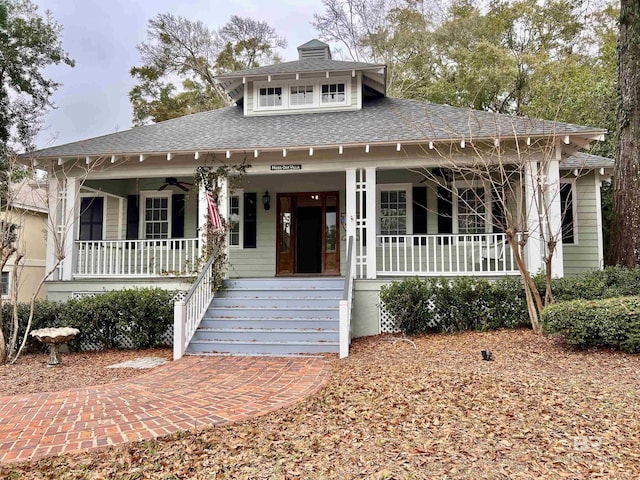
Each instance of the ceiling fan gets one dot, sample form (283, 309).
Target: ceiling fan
(173, 182)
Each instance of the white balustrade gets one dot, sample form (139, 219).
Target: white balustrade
(445, 254)
(126, 258)
(188, 313)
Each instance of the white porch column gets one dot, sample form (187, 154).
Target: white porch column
(372, 264)
(533, 249)
(351, 213)
(552, 200)
(598, 186)
(69, 209)
(53, 232)
(223, 210)
(203, 215)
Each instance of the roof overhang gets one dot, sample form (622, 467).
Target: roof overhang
(374, 77)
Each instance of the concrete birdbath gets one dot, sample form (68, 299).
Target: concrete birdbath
(54, 337)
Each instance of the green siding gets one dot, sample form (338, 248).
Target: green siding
(584, 255)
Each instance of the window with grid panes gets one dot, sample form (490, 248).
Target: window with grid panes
(333, 93)
(235, 215)
(301, 95)
(471, 210)
(393, 212)
(270, 97)
(156, 217)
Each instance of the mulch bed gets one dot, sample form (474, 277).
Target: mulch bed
(392, 411)
(30, 373)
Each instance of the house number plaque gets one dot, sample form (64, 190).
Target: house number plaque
(281, 168)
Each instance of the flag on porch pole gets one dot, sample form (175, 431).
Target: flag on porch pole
(214, 215)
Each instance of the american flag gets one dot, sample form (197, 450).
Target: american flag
(214, 215)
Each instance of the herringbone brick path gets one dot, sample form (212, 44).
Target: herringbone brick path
(192, 392)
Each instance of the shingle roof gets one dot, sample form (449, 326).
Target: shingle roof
(301, 66)
(315, 43)
(381, 120)
(586, 160)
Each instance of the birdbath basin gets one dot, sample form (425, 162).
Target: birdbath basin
(54, 337)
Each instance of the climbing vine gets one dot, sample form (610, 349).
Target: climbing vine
(211, 176)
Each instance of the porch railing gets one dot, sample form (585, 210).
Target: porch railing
(346, 303)
(188, 313)
(447, 254)
(123, 258)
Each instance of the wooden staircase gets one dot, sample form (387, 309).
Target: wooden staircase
(271, 316)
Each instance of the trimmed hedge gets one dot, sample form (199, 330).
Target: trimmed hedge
(613, 322)
(130, 318)
(609, 282)
(464, 303)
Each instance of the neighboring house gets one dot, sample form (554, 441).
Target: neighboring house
(24, 226)
(331, 158)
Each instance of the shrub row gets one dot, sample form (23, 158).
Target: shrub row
(468, 303)
(612, 322)
(131, 318)
(464, 303)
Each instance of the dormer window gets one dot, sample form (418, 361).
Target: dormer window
(271, 97)
(302, 94)
(333, 93)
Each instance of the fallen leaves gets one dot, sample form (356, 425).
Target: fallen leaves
(30, 373)
(392, 411)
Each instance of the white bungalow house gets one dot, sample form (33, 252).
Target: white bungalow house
(335, 204)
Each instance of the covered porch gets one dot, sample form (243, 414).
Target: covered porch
(287, 223)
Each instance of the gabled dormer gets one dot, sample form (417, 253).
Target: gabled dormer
(313, 83)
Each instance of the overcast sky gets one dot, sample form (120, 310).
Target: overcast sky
(101, 36)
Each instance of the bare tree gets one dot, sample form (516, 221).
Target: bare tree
(518, 177)
(60, 221)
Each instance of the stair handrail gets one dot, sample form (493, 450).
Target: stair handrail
(346, 304)
(188, 312)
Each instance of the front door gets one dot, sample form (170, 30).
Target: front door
(308, 234)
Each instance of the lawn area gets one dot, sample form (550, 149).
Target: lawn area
(437, 410)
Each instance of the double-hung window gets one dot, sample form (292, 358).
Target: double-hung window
(156, 215)
(471, 208)
(395, 209)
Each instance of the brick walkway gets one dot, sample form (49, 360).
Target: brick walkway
(192, 392)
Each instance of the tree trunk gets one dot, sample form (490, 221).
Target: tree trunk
(625, 225)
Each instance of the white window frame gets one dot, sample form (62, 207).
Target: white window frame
(316, 83)
(574, 208)
(394, 187)
(333, 81)
(463, 185)
(8, 294)
(240, 195)
(104, 214)
(142, 227)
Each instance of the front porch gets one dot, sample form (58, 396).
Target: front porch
(397, 255)
(129, 229)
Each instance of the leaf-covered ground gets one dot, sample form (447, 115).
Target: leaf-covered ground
(30, 373)
(437, 411)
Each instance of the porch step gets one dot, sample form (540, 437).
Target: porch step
(266, 316)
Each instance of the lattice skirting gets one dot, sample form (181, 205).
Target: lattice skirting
(388, 323)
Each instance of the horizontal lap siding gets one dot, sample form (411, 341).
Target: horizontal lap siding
(584, 255)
